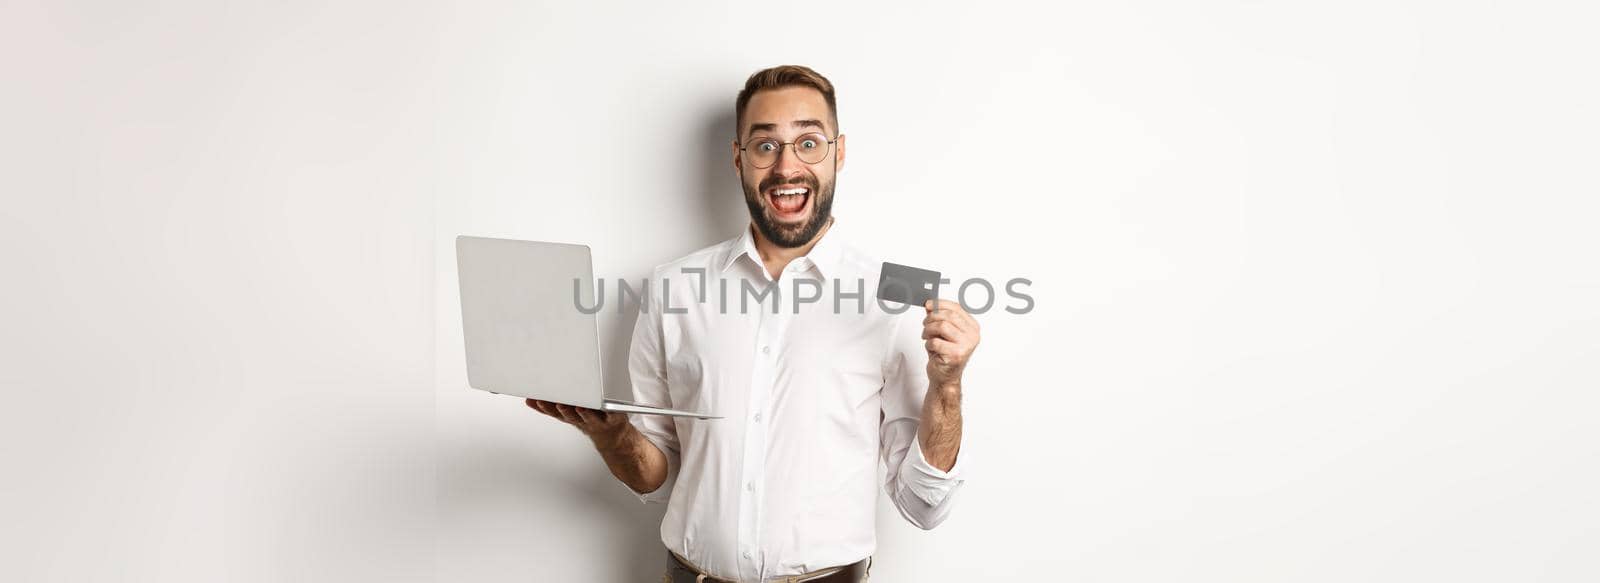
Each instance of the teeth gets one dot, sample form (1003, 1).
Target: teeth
(786, 191)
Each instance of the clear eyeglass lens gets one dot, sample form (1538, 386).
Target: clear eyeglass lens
(763, 153)
(810, 148)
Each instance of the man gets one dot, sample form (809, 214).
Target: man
(813, 393)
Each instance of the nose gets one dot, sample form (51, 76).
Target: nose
(788, 164)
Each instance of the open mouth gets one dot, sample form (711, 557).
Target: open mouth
(789, 203)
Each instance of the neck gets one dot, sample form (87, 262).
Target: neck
(775, 258)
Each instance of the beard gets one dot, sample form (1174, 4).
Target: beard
(789, 235)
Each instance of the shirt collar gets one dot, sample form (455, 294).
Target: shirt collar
(825, 255)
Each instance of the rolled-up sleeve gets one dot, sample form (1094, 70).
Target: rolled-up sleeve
(648, 375)
(924, 494)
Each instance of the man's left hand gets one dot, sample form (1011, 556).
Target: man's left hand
(950, 335)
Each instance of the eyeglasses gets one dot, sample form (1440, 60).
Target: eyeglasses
(809, 148)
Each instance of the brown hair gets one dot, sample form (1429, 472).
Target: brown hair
(779, 77)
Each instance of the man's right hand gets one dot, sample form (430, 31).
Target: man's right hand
(632, 458)
(592, 422)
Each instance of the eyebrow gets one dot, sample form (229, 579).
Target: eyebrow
(799, 123)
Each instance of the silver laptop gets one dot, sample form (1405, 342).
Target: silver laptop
(525, 333)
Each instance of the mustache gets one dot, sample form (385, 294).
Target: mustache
(772, 182)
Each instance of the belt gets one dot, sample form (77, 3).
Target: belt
(680, 570)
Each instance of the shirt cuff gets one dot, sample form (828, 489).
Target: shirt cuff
(663, 492)
(927, 482)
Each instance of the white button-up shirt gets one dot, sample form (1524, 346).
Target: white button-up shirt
(816, 382)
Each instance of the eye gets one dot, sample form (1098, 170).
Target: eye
(808, 144)
(766, 147)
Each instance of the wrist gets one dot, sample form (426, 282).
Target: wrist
(947, 390)
(611, 437)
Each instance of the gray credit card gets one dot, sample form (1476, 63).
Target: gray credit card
(907, 285)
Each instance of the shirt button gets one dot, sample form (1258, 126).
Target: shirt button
(750, 486)
(766, 350)
(758, 417)
(747, 554)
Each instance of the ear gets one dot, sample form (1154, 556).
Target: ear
(738, 167)
(838, 154)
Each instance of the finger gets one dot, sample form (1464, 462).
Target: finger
(544, 408)
(945, 316)
(945, 350)
(968, 321)
(569, 413)
(553, 410)
(954, 315)
(592, 416)
(946, 330)
(948, 347)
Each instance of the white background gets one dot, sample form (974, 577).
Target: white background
(1314, 284)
